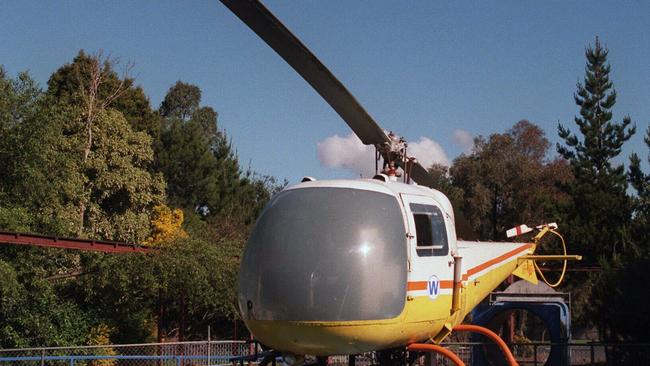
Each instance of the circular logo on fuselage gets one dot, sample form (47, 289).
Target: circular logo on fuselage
(433, 287)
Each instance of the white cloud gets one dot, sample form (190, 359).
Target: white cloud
(347, 153)
(351, 154)
(427, 152)
(465, 140)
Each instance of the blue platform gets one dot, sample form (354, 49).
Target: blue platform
(552, 309)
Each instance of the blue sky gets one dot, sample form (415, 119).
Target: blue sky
(423, 69)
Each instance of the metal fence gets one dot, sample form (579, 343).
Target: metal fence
(221, 353)
(537, 354)
(159, 354)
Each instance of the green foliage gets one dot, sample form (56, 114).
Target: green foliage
(189, 168)
(89, 157)
(119, 191)
(621, 303)
(181, 102)
(600, 209)
(197, 159)
(507, 181)
(127, 291)
(617, 293)
(67, 83)
(46, 179)
(15, 219)
(599, 215)
(641, 203)
(113, 185)
(17, 99)
(18, 102)
(34, 309)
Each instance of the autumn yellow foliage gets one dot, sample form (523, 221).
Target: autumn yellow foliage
(166, 226)
(99, 336)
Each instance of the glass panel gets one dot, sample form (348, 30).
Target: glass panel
(423, 230)
(435, 233)
(329, 254)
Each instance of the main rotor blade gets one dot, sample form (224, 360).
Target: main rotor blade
(420, 175)
(258, 18)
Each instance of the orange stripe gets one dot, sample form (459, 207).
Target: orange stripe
(423, 285)
(416, 285)
(498, 259)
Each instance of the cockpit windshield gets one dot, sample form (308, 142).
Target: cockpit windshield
(327, 254)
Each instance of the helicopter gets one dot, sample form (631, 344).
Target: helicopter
(349, 266)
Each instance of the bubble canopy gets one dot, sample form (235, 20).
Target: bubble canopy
(326, 254)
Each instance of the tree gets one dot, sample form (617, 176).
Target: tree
(641, 203)
(192, 280)
(119, 192)
(599, 213)
(613, 309)
(107, 195)
(598, 216)
(444, 183)
(87, 158)
(181, 101)
(507, 181)
(19, 99)
(49, 171)
(109, 179)
(189, 167)
(618, 296)
(197, 159)
(72, 84)
(34, 311)
(167, 226)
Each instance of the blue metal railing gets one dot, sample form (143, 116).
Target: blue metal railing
(73, 358)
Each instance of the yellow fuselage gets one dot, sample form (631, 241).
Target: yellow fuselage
(422, 318)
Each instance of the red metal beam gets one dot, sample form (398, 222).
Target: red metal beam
(71, 243)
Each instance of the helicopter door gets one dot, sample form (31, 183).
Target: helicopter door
(429, 236)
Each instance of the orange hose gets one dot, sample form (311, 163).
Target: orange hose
(493, 336)
(426, 347)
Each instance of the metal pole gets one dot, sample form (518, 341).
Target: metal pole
(252, 349)
(352, 360)
(209, 348)
(535, 353)
(42, 357)
(591, 351)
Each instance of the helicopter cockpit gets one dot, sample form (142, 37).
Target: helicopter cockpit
(326, 254)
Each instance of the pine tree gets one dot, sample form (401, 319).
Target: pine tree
(599, 215)
(197, 159)
(641, 183)
(596, 221)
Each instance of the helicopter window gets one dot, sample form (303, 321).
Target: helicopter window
(430, 230)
